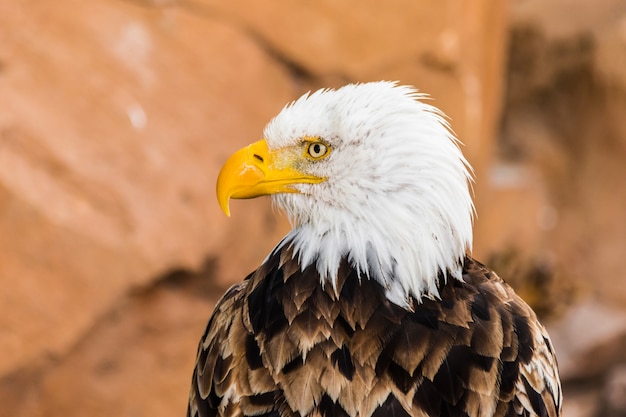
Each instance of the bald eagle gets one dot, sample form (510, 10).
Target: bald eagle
(371, 305)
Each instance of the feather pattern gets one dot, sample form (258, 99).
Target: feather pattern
(281, 344)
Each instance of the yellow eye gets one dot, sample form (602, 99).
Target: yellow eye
(317, 150)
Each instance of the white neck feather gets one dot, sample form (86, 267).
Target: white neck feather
(404, 250)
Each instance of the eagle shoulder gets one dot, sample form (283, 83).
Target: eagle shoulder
(529, 380)
(213, 380)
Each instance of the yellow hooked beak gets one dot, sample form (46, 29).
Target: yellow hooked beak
(255, 171)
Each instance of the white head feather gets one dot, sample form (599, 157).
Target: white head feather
(396, 201)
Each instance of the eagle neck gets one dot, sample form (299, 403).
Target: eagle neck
(408, 262)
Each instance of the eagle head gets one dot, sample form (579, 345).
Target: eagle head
(368, 173)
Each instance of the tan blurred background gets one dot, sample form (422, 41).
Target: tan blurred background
(116, 115)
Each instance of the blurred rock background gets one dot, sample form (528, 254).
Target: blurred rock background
(115, 116)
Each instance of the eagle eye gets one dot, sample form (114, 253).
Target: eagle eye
(317, 150)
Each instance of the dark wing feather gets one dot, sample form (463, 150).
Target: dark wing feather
(282, 344)
(214, 374)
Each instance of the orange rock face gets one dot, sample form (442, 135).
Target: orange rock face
(114, 120)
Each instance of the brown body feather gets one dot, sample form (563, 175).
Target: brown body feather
(281, 344)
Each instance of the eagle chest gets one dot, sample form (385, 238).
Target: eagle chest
(316, 350)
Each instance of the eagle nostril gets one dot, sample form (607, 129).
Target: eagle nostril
(259, 157)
